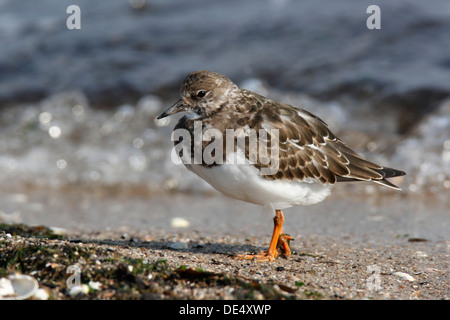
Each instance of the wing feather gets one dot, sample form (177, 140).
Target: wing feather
(310, 150)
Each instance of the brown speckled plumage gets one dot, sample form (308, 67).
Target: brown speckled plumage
(307, 147)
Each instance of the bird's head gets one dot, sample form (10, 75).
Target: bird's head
(203, 93)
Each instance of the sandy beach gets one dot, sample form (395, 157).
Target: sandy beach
(379, 259)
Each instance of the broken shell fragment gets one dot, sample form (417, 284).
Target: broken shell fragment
(18, 287)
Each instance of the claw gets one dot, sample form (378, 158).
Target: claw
(262, 257)
(284, 245)
(280, 243)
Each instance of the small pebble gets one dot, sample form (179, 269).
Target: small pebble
(404, 276)
(421, 254)
(76, 291)
(178, 245)
(178, 222)
(95, 285)
(58, 231)
(41, 294)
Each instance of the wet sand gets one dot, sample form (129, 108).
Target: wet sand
(204, 267)
(380, 247)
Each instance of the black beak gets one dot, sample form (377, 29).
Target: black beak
(177, 107)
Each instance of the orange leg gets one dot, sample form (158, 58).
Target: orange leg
(279, 242)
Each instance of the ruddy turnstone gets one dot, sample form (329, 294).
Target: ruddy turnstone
(307, 157)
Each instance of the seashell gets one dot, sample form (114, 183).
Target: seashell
(404, 276)
(77, 291)
(178, 245)
(41, 294)
(178, 222)
(18, 287)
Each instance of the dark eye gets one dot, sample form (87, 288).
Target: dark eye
(201, 93)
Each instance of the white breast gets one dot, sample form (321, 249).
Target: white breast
(243, 182)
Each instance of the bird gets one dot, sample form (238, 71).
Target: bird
(303, 160)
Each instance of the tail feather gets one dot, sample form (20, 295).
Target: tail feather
(386, 183)
(389, 173)
(384, 172)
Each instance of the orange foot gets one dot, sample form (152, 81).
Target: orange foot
(278, 245)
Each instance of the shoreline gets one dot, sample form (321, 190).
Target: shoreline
(192, 266)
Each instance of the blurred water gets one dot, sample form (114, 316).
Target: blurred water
(78, 136)
(317, 47)
(62, 141)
